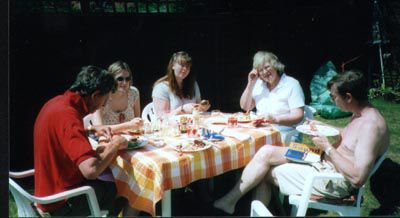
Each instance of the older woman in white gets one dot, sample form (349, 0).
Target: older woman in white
(277, 97)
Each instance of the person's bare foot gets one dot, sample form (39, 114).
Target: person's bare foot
(224, 205)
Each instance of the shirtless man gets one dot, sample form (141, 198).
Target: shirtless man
(353, 155)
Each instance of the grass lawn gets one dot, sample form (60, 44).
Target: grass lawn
(390, 111)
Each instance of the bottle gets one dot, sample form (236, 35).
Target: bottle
(196, 117)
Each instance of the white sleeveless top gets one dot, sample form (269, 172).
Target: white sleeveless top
(111, 117)
(162, 91)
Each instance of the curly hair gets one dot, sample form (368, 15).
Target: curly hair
(264, 56)
(91, 79)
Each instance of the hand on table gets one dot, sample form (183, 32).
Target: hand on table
(269, 118)
(119, 141)
(101, 131)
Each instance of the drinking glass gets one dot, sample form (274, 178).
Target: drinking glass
(147, 127)
(232, 121)
(215, 113)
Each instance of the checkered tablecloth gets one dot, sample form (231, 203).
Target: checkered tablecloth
(142, 175)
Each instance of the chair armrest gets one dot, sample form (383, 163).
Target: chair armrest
(305, 195)
(90, 195)
(23, 174)
(258, 209)
(289, 136)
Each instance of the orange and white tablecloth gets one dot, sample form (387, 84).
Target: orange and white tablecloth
(142, 175)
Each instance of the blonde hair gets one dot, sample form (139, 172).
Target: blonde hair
(118, 66)
(188, 90)
(264, 56)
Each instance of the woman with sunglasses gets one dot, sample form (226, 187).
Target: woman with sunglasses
(122, 108)
(278, 98)
(177, 92)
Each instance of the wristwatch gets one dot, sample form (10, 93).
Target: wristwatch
(328, 151)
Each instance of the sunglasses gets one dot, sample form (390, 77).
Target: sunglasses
(120, 79)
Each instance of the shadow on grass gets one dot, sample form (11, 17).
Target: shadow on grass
(385, 187)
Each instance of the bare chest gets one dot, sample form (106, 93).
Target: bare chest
(350, 138)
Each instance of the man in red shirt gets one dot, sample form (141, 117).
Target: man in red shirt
(63, 156)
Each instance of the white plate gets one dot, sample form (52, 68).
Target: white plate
(242, 120)
(187, 145)
(140, 142)
(321, 130)
(217, 120)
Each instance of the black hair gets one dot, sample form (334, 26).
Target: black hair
(91, 79)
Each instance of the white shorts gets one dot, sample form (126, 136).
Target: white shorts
(292, 176)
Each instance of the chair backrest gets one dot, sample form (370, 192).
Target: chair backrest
(87, 119)
(377, 164)
(23, 199)
(258, 209)
(289, 137)
(308, 112)
(373, 170)
(148, 113)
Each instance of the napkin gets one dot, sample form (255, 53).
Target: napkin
(216, 128)
(235, 134)
(209, 135)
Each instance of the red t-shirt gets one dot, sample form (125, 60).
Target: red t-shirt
(60, 145)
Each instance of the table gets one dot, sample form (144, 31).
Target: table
(146, 175)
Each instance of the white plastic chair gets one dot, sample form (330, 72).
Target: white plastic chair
(258, 209)
(300, 203)
(87, 119)
(148, 113)
(26, 202)
(308, 114)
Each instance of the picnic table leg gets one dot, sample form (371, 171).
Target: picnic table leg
(166, 204)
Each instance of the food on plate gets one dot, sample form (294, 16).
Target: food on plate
(133, 143)
(183, 119)
(136, 131)
(259, 122)
(244, 118)
(313, 127)
(191, 145)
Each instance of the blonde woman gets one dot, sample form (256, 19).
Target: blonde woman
(122, 108)
(277, 97)
(177, 92)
